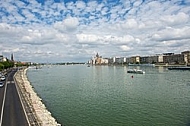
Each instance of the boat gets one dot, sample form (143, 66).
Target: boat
(135, 71)
(178, 68)
(147, 65)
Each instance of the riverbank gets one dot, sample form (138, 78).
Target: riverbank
(170, 65)
(35, 109)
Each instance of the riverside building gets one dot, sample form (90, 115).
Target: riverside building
(183, 58)
(159, 59)
(98, 60)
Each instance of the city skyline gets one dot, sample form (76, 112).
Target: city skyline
(75, 30)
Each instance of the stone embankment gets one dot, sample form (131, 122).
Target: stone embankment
(35, 110)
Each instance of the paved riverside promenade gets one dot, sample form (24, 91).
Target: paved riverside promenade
(36, 111)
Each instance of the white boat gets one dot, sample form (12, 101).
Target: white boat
(135, 71)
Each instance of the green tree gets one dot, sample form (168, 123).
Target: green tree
(1, 66)
(6, 64)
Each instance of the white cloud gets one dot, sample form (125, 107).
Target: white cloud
(88, 38)
(68, 25)
(137, 3)
(80, 5)
(29, 16)
(172, 34)
(176, 19)
(71, 23)
(104, 39)
(125, 48)
(53, 30)
(130, 23)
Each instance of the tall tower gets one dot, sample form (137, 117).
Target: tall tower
(97, 56)
(12, 58)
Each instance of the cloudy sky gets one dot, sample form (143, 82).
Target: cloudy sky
(75, 30)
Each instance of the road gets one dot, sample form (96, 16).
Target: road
(12, 112)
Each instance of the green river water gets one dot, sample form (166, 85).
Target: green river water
(78, 95)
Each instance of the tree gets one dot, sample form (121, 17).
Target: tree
(6, 64)
(1, 66)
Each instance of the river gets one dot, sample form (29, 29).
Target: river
(78, 95)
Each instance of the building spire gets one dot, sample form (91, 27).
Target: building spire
(12, 58)
(97, 55)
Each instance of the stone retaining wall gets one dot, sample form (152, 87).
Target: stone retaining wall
(36, 111)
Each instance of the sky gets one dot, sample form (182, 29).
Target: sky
(76, 30)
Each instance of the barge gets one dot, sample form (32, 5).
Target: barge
(178, 68)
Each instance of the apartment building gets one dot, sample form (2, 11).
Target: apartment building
(186, 56)
(183, 58)
(134, 60)
(149, 59)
